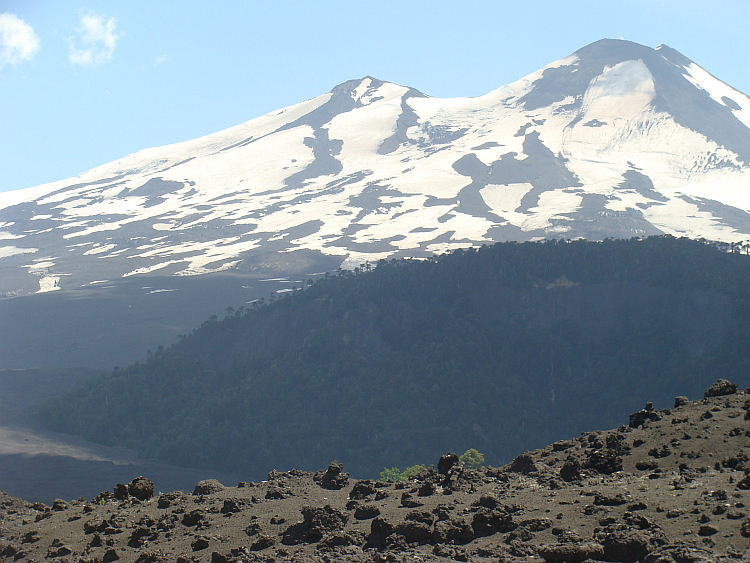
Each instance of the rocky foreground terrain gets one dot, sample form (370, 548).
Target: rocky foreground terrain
(671, 486)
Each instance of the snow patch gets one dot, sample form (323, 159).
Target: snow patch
(100, 249)
(164, 226)
(49, 283)
(504, 199)
(719, 91)
(672, 220)
(149, 269)
(8, 251)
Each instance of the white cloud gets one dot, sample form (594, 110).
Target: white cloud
(18, 42)
(97, 39)
(162, 59)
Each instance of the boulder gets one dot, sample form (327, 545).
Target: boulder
(233, 505)
(120, 491)
(571, 552)
(207, 487)
(96, 524)
(194, 517)
(570, 470)
(455, 531)
(414, 532)
(321, 521)
(522, 464)
(199, 543)
(59, 505)
(262, 541)
(366, 511)
(362, 490)
(333, 478)
(487, 522)
(720, 388)
(141, 488)
(427, 489)
(408, 501)
(58, 549)
(424, 516)
(446, 462)
(379, 530)
(640, 417)
(626, 546)
(605, 461)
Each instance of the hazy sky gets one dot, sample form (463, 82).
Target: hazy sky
(85, 83)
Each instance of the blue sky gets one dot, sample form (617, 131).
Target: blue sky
(85, 83)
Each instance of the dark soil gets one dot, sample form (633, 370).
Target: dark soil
(672, 486)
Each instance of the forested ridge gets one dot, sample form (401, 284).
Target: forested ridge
(502, 348)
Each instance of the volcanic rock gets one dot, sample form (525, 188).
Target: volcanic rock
(642, 416)
(141, 488)
(362, 490)
(207, 487)
(524, 463)
(721, 388)
(334, 477)
(680, 401)
(446, 462)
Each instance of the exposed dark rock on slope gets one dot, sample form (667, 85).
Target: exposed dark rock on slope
(672, 486)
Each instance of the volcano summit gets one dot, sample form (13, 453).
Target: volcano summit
(616, 140)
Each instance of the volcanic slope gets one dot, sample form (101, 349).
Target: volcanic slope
(616, 140)
(671, 486)
(503, 349)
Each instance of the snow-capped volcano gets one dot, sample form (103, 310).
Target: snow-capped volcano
(616, 140)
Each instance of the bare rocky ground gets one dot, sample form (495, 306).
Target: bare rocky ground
(672, 486)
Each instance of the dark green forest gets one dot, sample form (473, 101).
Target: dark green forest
(503, 348)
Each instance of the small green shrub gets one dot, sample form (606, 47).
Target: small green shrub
(394, 474)
(472, 459)
(410, 472)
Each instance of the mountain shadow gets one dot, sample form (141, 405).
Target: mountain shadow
(503, 348)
